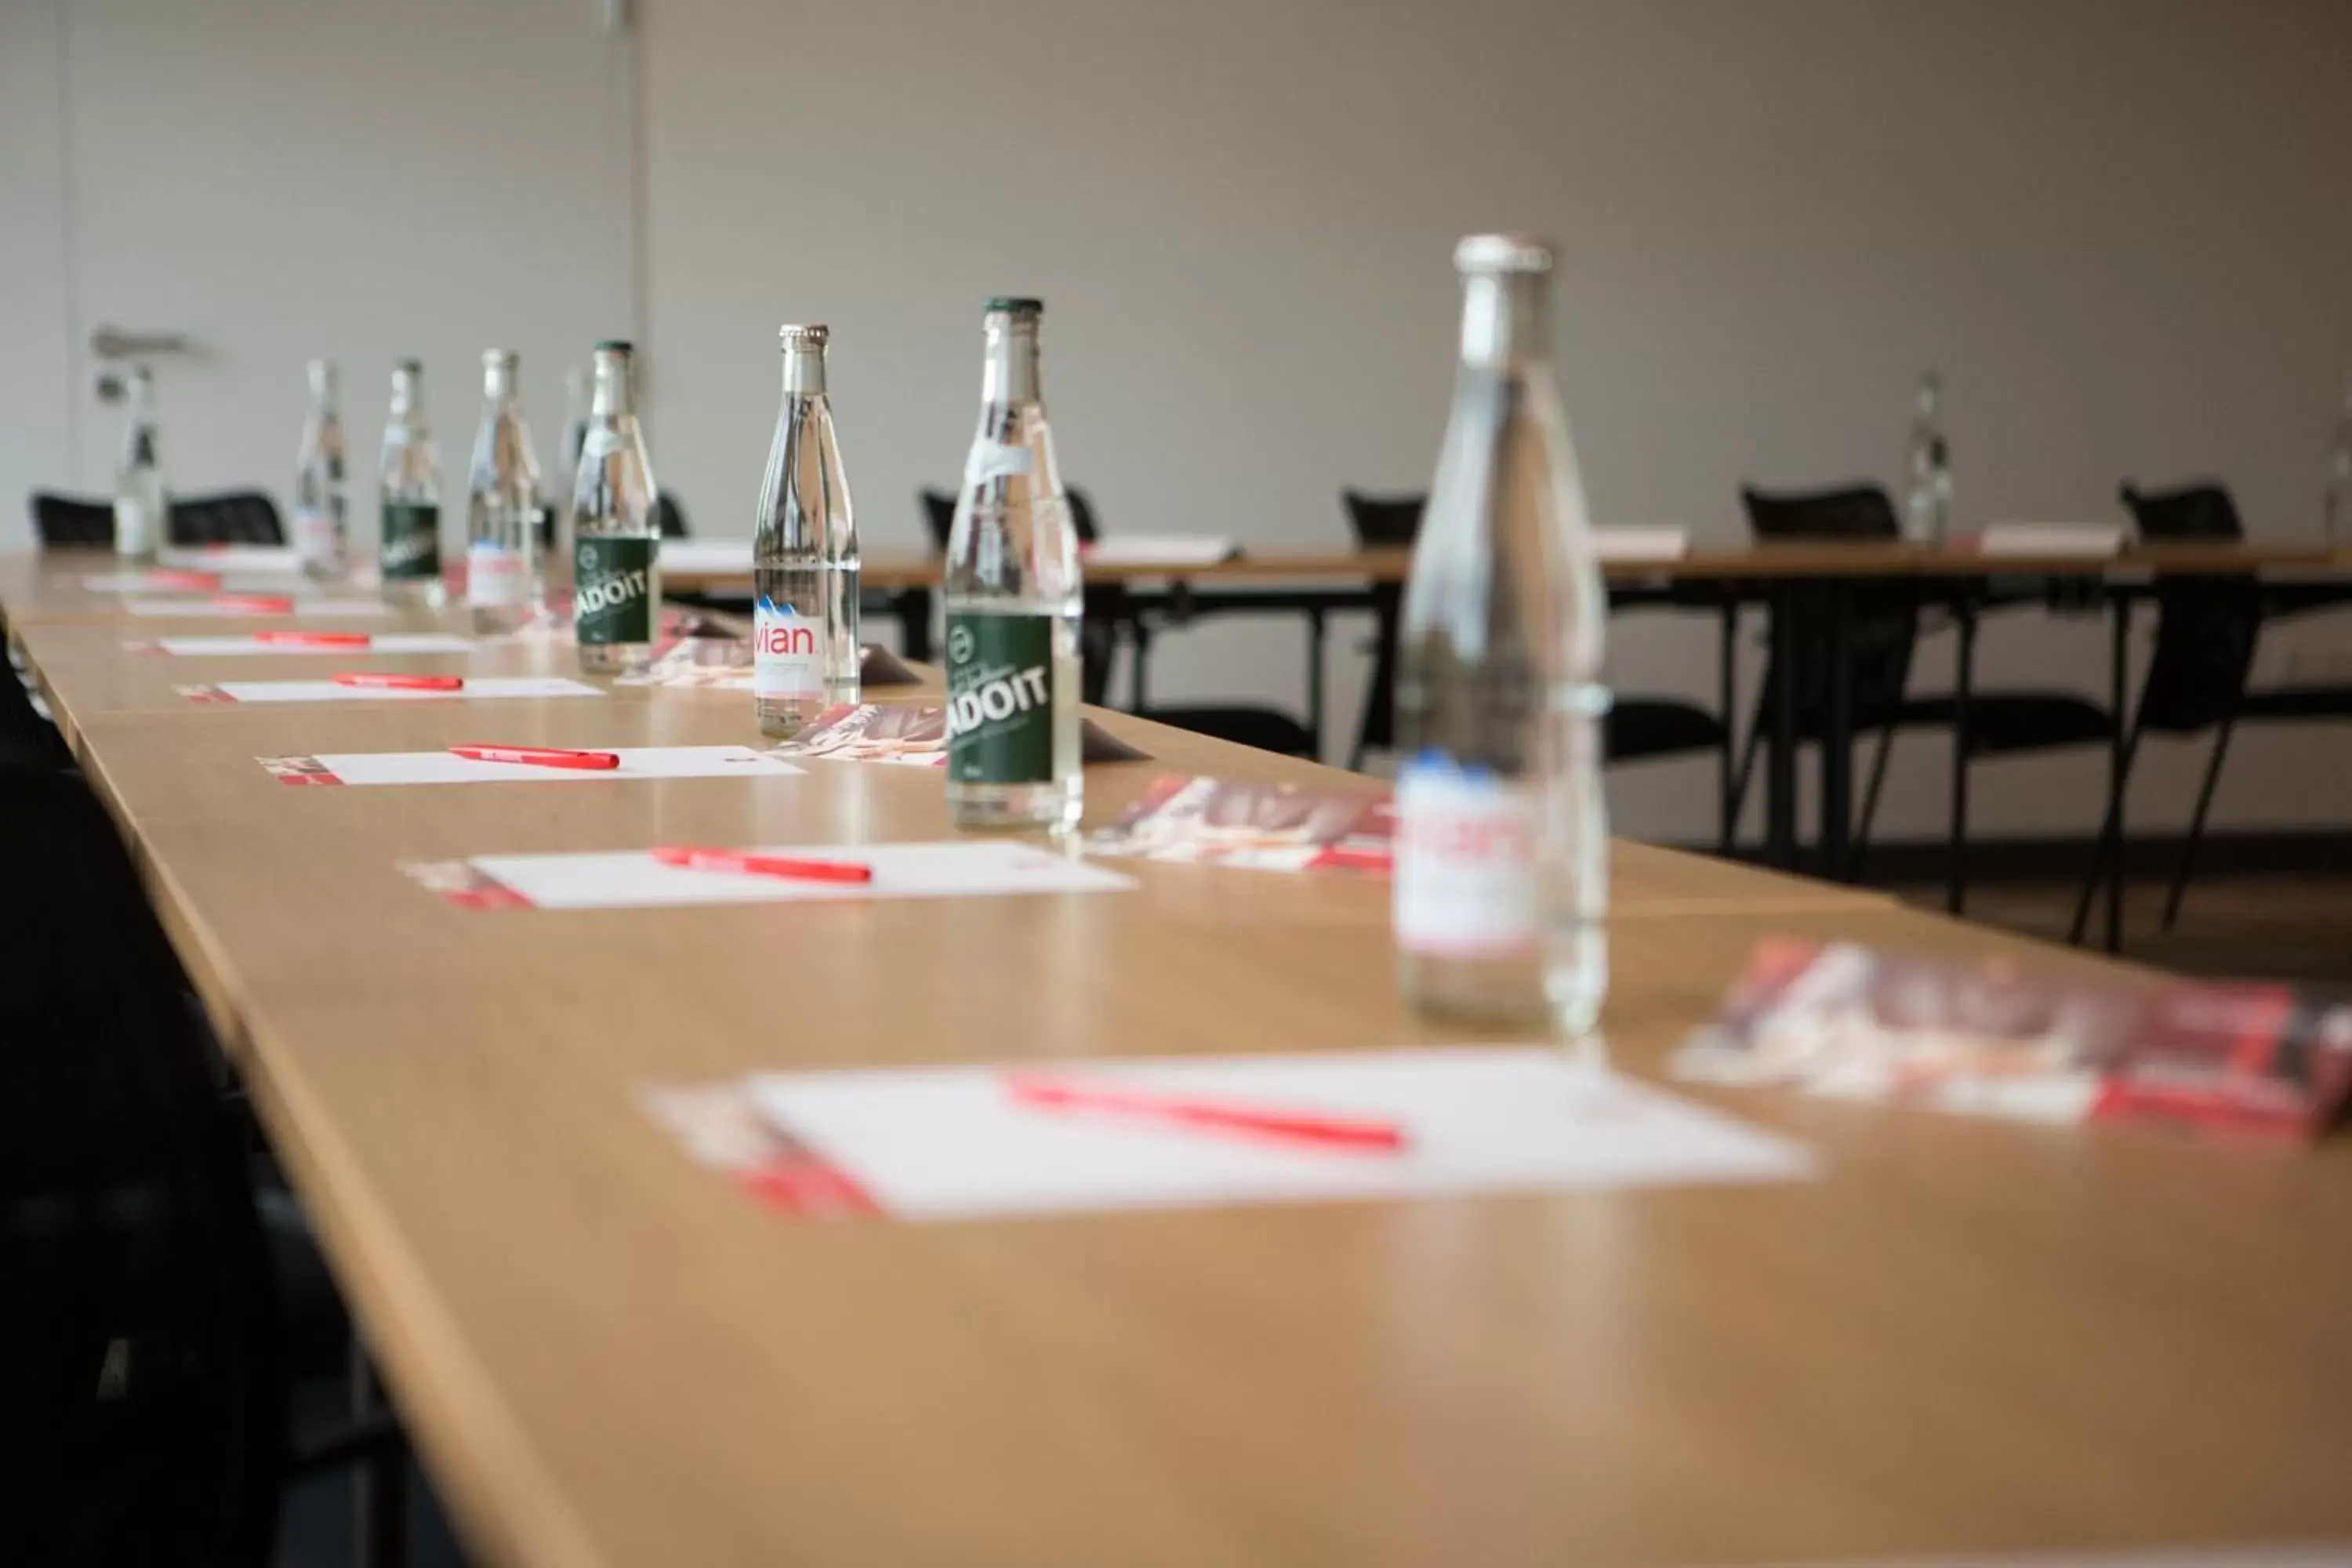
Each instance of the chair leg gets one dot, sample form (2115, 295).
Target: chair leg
(2109, 847)
(2196, 826)
(1735, 795)
(1870, 800)
(1728, 678)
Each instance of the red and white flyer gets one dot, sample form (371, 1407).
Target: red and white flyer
(916, 736)
(1996, 1038)
(1209, 821)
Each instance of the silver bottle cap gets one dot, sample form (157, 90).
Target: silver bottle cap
(1502, 253)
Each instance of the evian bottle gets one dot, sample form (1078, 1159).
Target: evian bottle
(1502, 854)
(804, 556)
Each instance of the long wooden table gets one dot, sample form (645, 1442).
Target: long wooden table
(1964, 1337)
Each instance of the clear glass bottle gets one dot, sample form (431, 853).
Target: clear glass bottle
(2336, 519)
(1012, 602)
(1502, 856)
(616, 540)
(1928, 491)
(803, 555)
(409, 557)
(141, 509)
(321, 530)
(501, 505)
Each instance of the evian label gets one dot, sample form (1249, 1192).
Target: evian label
(785, 662)
(318, 536)
(496, 576)
(1465, 860)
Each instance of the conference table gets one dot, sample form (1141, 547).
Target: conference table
(1958, 1337)
(1788, 579)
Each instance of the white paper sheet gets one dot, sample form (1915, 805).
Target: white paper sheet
(1640, 541)
(955, 1143)
(301, 606)
(1161, 550)
(448, 768)
(707, 556)
(2051, 539)
(477, 689)
(163, 582)
(378, 642)
(270, 558)
(635, 879)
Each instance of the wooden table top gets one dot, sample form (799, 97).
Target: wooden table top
(1964, 1337)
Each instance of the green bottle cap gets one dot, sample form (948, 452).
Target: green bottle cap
(618, 345)
(1013, 304)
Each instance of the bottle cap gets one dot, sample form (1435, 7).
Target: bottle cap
(497, 358)
(792, 333)
(409, 364)
(1013, 305)
(1502, 253)
(617, 346)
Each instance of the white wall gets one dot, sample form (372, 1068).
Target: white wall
(2119, 227)
(278, 179)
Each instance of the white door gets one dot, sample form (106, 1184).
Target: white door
(271, 179)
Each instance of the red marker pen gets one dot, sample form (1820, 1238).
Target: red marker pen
(314, 639)
(1281, 1126)
(255, 604)
(387, 682)
(696, 858)
(540, 757)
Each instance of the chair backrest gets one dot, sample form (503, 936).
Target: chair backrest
(1881, 622)
(144, 1406)
(1842, 511)
(2190, 512)
(2206, 630)
(1383, 520)
(65, 521)
(233, 517)
(939, 515)
(668, 515)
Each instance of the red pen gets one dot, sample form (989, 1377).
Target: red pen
(540, 757)
(315, 639)
(255, 604)
(698, 857)
(1348, 1133)
(388, 682)
(206, 581)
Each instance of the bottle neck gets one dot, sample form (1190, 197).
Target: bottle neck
(407, 397)
(498, 385)
(323, 391)
(1009, 374)
(612, 399)
(1502, 317)
(804, 369)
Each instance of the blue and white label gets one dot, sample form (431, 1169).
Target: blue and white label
(1465, 860)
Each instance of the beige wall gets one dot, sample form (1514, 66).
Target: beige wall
(2119, 227)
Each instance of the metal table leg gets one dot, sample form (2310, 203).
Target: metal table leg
(2118, 766)
(1315, 680)
(1956, 891)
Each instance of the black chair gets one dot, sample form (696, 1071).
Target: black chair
(668, 515)
(1110, 608)
(1637, 727)
(64, 522)
(235, 517)
(1882, 630)
(2204, 679)
(142, 1400)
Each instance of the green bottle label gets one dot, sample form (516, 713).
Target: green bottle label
(1000, 698)
(615, 601)
(412, 541)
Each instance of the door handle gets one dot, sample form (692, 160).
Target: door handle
(114, 343)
